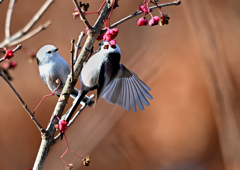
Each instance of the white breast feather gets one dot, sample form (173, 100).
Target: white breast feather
(91, 70)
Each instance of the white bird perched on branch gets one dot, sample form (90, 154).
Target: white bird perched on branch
(52, 67)
(113, 81)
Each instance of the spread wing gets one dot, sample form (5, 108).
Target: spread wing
(127, 89)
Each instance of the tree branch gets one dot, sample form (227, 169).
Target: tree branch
(140, 12)
(8, 19)
(82, 16)
(72, 56)
(26, 29)
(37, 16)
(77, 46)
(30, 34)
(23, 103)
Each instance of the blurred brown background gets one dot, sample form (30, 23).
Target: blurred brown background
(191, 65)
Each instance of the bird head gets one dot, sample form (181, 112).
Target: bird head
(46, 53)
(106, 47)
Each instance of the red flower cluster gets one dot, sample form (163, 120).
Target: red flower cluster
(76, 13)
(154, 19)
(9, 54)
(144, 9)
(62, 126)
(8, 64)
(142, 21)
(110, 34)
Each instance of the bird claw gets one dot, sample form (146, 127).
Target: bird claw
(90, 101)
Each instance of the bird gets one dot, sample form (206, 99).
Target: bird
(52, 67)
(113, 81)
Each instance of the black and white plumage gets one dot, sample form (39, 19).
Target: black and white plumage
(113, 81)
(52, 67)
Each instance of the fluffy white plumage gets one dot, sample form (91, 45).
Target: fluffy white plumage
(52, 67)
(114, 82)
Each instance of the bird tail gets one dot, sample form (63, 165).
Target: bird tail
(78, 99)
(75, 93)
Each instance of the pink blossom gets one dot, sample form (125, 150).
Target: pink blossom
(87, 30)
(142, 21)
(13, 64)
(115, 31)
(63, 125)
(107, 38)
(144, 9)
(9, 54)
(113, 42)
(100, 37)
(154, 21)
(110, 34)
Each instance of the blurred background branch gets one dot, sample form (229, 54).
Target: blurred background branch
(23, 34)
(219, 80)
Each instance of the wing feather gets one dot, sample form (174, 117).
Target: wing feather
(136, 95)
(126, 90)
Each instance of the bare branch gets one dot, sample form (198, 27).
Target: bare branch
(22, 102)
(17, 48)
(82, 16)
(8, 41)
(77, 46)
(72, 55)
(140, 12)
(8, 19)
(30, 34)
(13, 51)
(37, 16)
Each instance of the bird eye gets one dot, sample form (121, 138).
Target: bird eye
(106, 46)
(49, 52)
(55, 49)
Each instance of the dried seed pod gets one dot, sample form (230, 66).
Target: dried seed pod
(86, 160)
(58, 81)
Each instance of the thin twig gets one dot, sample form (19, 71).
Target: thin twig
(14, 50)
(82, 16)
(30, 34)
(23, 103)
(8, 19)
(37, 16)
(77, 46)
(17, 48)
(140, 12)
(72, 61)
